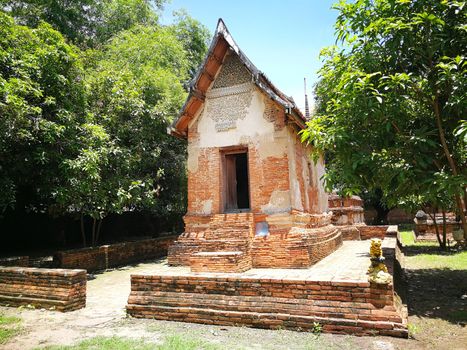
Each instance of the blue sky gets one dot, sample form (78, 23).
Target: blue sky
(282, 38)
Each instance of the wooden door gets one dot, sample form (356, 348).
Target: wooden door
(230, 182)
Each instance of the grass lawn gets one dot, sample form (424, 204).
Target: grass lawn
(174, 342)
(427, 255)
(437, 290)
(9, 327)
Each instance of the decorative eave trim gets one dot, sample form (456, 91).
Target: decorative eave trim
(230, 90)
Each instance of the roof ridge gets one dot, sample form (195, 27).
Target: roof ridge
(259, 79)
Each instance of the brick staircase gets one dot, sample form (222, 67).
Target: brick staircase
(221, 244)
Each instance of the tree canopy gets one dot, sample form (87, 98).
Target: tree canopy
(83, 128)
(391, 102)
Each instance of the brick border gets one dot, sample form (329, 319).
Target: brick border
(60, 289)
(113, 255)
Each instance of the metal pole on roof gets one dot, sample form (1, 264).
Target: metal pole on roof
(307, 107)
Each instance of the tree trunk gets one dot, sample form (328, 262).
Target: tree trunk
(99, 225)
(93, 242)
(461, 209)
(433, 217)
(381, 215)
(83, 232)
(451, 163)
(444, 229)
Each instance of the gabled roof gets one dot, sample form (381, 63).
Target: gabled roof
(220, 45)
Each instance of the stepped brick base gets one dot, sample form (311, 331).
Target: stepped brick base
(214, 233)
(294, 240)
(63, 290)
(340, 307)
(220, 262)
(334, 292)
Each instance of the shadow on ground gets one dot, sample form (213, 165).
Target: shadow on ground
(428, 249)
(436, 293)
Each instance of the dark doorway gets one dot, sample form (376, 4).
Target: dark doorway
(236, 189)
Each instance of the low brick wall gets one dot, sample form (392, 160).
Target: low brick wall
(112, 255)
(90, 259)
(234, 261)
(63, 290)
(132, 252)
(15, 261)
(297, 248)
(380, 231)
(340, 307)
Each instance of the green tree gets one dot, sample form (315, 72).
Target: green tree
(42, 108)
(92, 141)
(194, 36)
(391, 103)
(86, 23)
(135, 90)
(76, 20)
(119, 15)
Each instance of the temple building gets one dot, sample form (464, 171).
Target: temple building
(255, 198)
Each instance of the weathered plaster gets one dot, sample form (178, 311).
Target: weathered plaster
(207, 206)
(294, 184)
(251, 125)
(279, 202)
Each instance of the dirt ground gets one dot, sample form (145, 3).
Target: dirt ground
(436, 319)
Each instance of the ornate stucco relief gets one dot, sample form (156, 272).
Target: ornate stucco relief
(226, 105)
(233, 72)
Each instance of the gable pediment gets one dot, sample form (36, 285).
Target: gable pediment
(227, 71)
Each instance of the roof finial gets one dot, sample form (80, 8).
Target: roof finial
(307, 107)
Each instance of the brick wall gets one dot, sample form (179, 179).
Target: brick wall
(90, 259)
(112, 255)
(220, 261)
(15, 261)
(340, 307)
(380, 231)
(295, 240)
(63, 290)
(295, 248)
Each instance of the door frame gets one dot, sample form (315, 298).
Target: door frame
(239, 149)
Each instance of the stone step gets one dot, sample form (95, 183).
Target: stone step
(272, 320)
(220, 261)
(182, 249)
(246, 303)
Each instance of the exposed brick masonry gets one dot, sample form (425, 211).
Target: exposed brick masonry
(340, 307)
(112, 255)
(63, 290)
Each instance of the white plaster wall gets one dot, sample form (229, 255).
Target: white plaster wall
(317, 172)
(258, 132)
(253, 128)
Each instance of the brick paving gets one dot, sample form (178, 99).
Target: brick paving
(349, 263)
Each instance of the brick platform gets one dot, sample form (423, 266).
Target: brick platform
(63, 290)
(112, 255)
(295, 240)
(334, 292)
